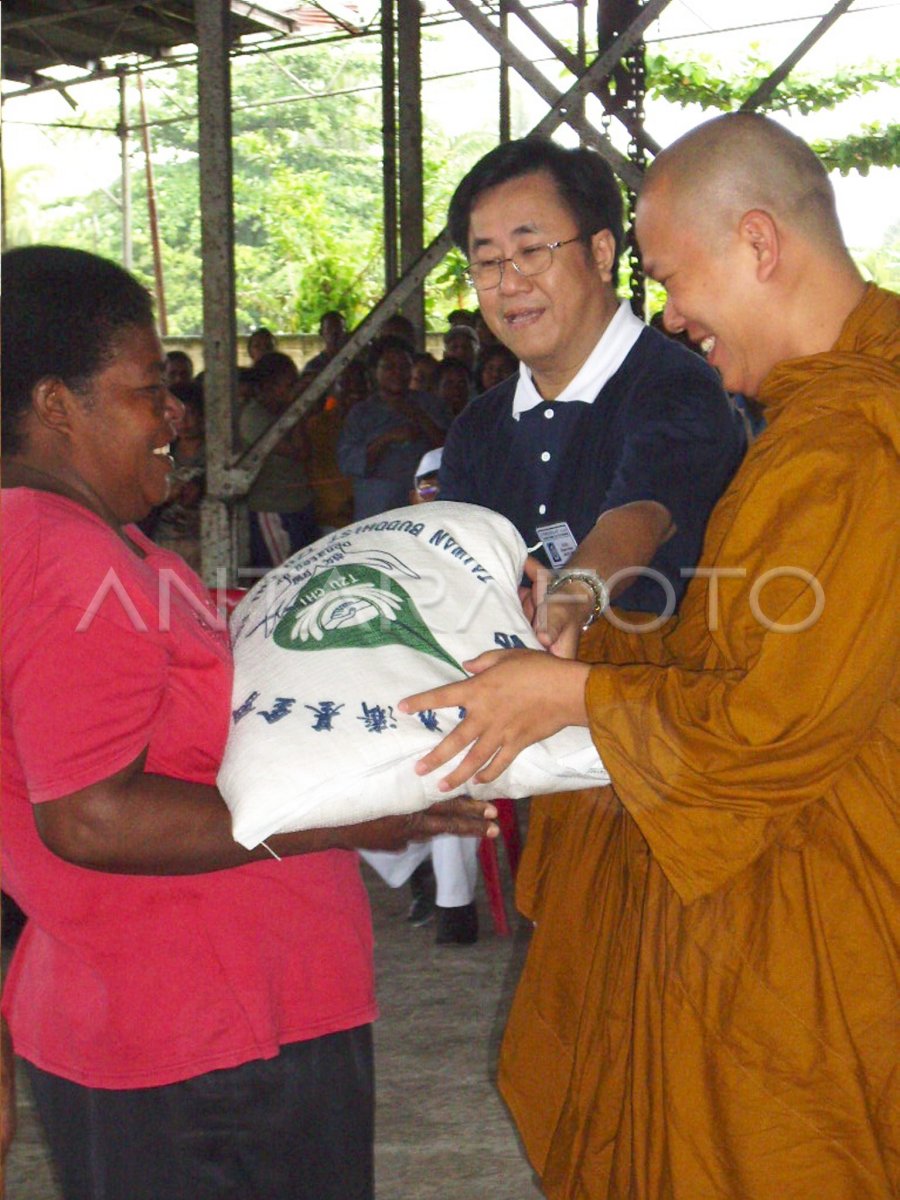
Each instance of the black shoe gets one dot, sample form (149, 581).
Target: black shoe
(457, 926)
(422, 887)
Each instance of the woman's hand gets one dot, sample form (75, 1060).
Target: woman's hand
(514, 698)
(461, 816)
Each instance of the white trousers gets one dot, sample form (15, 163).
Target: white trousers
(455, 861)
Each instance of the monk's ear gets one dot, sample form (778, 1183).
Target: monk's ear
(603, 252)
(759, 232)
(52, 403)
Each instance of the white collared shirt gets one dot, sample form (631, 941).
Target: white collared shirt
(600, 365)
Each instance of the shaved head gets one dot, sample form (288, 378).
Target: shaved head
(743, 161)
(737, 221)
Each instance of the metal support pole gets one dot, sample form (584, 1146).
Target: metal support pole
(564, 106)
(576, 63)
(3, 237)
(412, 206)
(153, 217)
(626, 101)
(219, 553)
(768, 86)
(505, 129)
(127, 258)
(581, 48)
(389, 142)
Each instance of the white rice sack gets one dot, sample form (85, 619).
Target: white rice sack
(327, 644)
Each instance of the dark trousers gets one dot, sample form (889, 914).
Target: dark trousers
(276, 536)
(296, 1127)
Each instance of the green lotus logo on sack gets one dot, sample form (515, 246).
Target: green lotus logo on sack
(355, 606)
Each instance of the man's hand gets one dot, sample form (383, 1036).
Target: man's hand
(559, 619)
(514, 698)
(461, 816)
(623, 541)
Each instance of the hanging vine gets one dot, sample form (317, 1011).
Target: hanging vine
(697, 81)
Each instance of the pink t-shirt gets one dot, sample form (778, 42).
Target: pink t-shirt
(124, 981)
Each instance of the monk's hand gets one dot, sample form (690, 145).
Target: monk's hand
(514, 698)
(461, 816)
(559, 619)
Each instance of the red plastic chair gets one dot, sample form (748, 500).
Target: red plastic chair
(508, 820)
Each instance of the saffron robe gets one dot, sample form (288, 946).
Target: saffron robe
(709, 1008)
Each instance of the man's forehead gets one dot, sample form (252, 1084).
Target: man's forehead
(517, 207)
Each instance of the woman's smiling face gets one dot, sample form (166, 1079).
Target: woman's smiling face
(123, 424)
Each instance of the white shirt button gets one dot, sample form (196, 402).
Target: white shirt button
(548, 412)
(542, 508)
(545, 457)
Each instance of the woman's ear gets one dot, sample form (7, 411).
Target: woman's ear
(51, 402)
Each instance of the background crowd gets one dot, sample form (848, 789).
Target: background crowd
(353, 454)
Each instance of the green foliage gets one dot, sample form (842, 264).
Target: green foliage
(876, 146)
(308, 179)
(883, 265)
(445, 161)
(450, 278)
(697, 81)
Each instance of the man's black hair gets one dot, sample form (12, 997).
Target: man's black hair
(583, 178)
(271, 366)
(62, 312)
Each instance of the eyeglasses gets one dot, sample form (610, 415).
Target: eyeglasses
(533, 260)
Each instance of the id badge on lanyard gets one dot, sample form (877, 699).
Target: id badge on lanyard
(559, 543)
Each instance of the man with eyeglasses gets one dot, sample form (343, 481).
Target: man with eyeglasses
(610, 446)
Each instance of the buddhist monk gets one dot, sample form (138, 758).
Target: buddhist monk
(709, 1005)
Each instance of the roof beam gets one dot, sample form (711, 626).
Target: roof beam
(273, 21)
(778, 76)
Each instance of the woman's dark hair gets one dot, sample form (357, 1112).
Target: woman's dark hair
(583, 178)
(62, 311)
(446, 366)
(488, 354)
(381, 345)
(272, 367)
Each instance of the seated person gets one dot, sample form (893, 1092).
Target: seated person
(495, 363)
(424, 372)
(282, 511)
(333, 491)
(261, 341)
(453, 384)
(333, 332)
(385, 436)
(179, 368)
(425, 484)
(461, 342)
(177, 524)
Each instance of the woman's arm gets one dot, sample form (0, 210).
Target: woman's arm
(140, 824)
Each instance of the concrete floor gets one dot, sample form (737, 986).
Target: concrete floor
(442, 1130)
